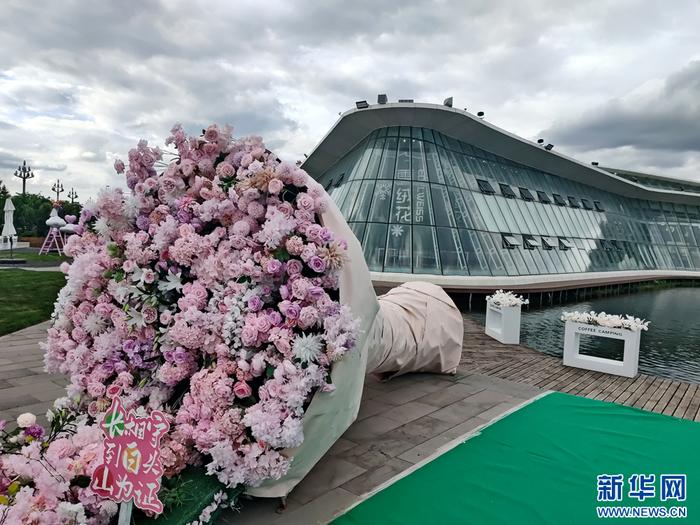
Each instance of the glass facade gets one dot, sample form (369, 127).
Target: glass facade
(422, 202)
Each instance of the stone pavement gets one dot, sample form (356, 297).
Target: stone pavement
(24, 386)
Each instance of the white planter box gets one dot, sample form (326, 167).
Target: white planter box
(572, 339)
(503, 323)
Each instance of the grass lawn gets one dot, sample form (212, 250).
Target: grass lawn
(27, 297)
(31, 255)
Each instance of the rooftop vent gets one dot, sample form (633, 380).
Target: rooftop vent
(361, 104)
(448, 102)
(595, 162)
(381, 99)
(480, 114)
(549, 147)
(406, 101)
(540, 141)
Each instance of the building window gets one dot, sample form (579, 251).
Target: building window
(509, 241)
(530, 242)
(564, 244)
(485, 186)
(329, 184)
(605, 245)
(526, 194)
(507, 191)
(543, 197)
(598, 206)
(573, 201)
(586, 204)
(547, 243)
(558, 199)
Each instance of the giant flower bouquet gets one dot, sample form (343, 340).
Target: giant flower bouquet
(626, 322)
(210, 291)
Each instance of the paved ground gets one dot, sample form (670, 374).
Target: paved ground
(400, 422)
(24, 387)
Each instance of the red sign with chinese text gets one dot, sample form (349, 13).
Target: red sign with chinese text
(131, 466)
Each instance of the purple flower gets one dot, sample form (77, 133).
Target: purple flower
(36, 431)
(317, 264)
(255, 303)
(143, 222)
(273, 266)
(184, 216)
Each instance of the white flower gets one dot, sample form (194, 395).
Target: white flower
(607, 320)
(307, 348)
(501, 298)
(94, 324)
(26, 420)
(130, 207)
(71, 513)
(171, 282)
(102, 227)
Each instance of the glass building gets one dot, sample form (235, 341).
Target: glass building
(436, 191)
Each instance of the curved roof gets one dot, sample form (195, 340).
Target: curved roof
(355, 124)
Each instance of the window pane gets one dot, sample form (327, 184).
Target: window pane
(451, 252)
(380, 202)
(386, 170)
(398, 249)
(364, 198)
(425, 253)
(403, 161)
(375, 246)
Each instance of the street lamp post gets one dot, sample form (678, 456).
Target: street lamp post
(58, 188)
(24, 172)
(72, 195)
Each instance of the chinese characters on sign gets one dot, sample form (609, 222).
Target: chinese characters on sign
(131, 466)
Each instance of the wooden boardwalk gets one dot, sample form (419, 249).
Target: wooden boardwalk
(484, 355)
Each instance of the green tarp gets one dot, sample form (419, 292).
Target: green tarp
(540, 464)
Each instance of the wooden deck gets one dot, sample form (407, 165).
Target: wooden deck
(484, 355)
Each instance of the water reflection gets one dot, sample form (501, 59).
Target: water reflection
(670, 348)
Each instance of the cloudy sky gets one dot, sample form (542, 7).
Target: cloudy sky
(80, 82)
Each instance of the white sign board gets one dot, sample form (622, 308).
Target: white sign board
(503, 323)
(572, 340)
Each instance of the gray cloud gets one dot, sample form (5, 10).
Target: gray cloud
(668, 119)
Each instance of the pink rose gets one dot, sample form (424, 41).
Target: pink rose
(249, 335)
(308, 316)
(150, 314)
(225, 170)
(305, 202)
(242, 389)
(317, 264)
(294, 267)
(149, 276)
(294, 245)
(275, 186)
(212, 133)
(263, 323)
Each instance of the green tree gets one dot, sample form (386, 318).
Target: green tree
(70, 208)
(31, 212)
